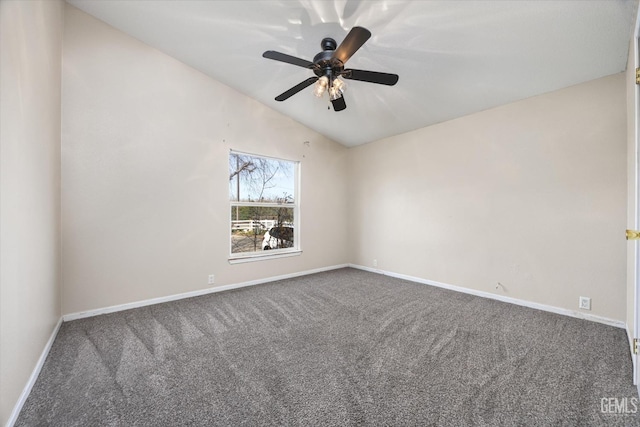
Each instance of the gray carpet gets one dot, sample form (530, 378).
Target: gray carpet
(344, 347)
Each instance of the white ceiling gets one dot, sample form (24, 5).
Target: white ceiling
(453, 57)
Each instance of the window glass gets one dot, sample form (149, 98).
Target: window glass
(262, 192)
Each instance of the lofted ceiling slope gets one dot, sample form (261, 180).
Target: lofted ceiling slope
(454, 58)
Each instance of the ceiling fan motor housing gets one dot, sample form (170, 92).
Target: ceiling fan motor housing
(326, 64)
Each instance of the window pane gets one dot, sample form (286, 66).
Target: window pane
(261, 179)
(257, 228)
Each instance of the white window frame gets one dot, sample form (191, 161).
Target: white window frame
(241, 257)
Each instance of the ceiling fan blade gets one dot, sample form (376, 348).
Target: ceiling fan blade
(354, 41)
(339, 104)
(371, 76)
(297, 88)
(283, 57)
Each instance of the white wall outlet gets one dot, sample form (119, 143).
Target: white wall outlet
(212, 279)
(585, 303)
(375, 262)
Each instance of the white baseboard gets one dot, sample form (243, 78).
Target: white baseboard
(152, 301)
(633, 359)
(34, 376)
(524, 303)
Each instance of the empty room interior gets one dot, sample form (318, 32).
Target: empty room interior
(334, 212)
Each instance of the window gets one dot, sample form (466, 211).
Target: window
(264, 206)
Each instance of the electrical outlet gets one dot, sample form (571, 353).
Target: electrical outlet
(375, 262)
(212, 279)
(585, 303)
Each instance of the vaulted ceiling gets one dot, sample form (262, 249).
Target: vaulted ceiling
(453, 57)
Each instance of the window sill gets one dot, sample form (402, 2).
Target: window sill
(262, 257)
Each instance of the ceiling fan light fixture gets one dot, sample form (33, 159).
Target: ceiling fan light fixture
(339, 85)
(321, 86)
(334, 93)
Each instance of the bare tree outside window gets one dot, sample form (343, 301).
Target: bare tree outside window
(262, 195)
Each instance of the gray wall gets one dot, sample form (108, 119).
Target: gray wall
(30, 64)
(145, 195)
(530, 194)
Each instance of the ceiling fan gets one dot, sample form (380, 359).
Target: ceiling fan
(328, 67)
